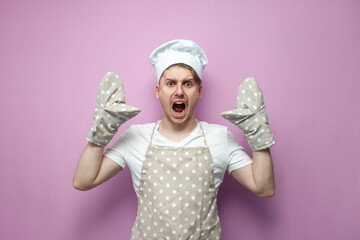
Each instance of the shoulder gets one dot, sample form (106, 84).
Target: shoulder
(136, 132)
(215, 133)
(219, 134)
(214, 129)
(141, 128)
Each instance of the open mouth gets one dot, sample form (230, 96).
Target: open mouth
(178, 107)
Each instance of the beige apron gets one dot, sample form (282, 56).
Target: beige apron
(177, 195)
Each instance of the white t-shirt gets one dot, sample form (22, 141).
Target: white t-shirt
(130, 148)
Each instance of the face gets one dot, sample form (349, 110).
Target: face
(178, 94)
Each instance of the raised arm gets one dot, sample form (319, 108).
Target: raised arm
(94, 168)
(258, 177)
(251, 117)
(111, 111)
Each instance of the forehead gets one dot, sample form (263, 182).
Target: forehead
(177, 72)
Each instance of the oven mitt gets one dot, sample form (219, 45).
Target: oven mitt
(110, 111)
(250, 115)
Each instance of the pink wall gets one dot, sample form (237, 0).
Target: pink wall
(304, 54)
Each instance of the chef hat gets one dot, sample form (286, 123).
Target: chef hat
(178, 51)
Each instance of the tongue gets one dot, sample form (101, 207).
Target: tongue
(178, 107)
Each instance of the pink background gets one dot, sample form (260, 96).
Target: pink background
(304, 54)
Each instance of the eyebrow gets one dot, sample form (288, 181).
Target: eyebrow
(183, 80)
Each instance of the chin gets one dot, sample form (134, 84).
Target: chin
(179, 119)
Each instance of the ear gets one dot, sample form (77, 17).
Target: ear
(200, 91)
(157, 91)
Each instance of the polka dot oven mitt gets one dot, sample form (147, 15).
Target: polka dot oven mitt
(250, 115)
(110, 111)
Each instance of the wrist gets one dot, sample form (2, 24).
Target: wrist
(95, 146)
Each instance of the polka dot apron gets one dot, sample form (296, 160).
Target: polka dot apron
(177, 195)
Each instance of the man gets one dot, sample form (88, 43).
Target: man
(178, 163)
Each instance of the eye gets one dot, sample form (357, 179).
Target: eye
(170, 84)
(188, 84)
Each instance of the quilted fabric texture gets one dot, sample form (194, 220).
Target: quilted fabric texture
(250, 115)
(110, 111)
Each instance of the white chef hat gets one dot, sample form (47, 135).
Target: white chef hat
(178, 51)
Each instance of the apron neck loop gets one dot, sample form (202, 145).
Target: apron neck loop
(198, 123)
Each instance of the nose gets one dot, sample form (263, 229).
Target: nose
(179, 90)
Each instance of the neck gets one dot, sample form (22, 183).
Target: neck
(176, 132)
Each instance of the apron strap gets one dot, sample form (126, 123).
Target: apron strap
(152, 134)
(203, 133)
